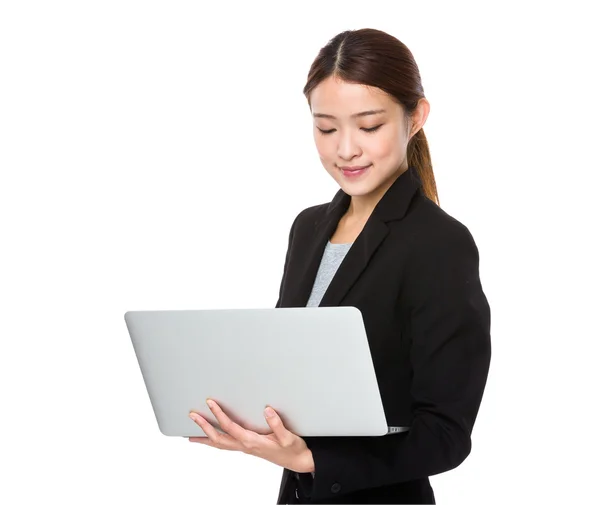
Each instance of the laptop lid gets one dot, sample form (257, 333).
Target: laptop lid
(311, 364)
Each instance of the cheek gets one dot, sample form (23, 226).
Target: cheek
(324, 147)
(385, 147)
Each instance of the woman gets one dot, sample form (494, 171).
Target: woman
(383, 245)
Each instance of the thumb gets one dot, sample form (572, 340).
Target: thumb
(276, 424)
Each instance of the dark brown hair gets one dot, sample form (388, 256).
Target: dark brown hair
(377, 59)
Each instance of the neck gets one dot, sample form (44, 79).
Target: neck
(362, 206)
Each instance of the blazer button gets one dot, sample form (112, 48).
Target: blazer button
(336, 488)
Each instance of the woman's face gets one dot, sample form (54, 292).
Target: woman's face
(361, 135)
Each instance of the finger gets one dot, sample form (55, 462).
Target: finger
(283, 435)
(226, 424)
(215, 439)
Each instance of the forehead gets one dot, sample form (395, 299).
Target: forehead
(343, 99)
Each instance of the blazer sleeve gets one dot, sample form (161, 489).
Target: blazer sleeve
(449, 330)
(287, 258)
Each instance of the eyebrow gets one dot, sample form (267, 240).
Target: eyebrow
(358, 114)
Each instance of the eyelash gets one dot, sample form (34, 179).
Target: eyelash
(368, 130)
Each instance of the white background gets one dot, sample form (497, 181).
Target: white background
(153, 156)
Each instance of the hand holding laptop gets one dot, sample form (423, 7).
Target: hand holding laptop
(281, 447)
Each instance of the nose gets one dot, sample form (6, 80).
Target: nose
(348, 148)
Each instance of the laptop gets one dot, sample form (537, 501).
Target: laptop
(311, 364)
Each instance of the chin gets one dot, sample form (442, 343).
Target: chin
(356, 189)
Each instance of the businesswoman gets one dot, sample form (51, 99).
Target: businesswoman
(384, 245)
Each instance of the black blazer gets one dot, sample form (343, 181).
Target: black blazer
(413, 272)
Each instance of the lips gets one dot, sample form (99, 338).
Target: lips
(354, 171)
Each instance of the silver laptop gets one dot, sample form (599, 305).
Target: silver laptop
(311, 364)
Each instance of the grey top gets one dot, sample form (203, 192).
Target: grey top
(331, 260)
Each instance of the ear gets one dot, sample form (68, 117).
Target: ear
(419, 116)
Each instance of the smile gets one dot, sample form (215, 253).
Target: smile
(354, 172)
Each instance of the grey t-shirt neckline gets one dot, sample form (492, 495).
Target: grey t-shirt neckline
(331, 260)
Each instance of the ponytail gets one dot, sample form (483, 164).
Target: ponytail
(418, 156)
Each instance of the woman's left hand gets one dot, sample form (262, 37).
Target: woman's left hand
(281, 447)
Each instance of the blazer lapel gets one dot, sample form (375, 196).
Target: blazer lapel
(392, 206)
(355, 261)
(324, 228)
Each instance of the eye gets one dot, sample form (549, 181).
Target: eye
(368, 130)
(371, 130)
(326, 132)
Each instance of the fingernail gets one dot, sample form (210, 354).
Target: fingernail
(269, 412)
(194, 416)
(210, 403)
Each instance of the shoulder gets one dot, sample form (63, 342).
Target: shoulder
(441, 258)
(439, 263)
(429, 228)
(309, 216)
